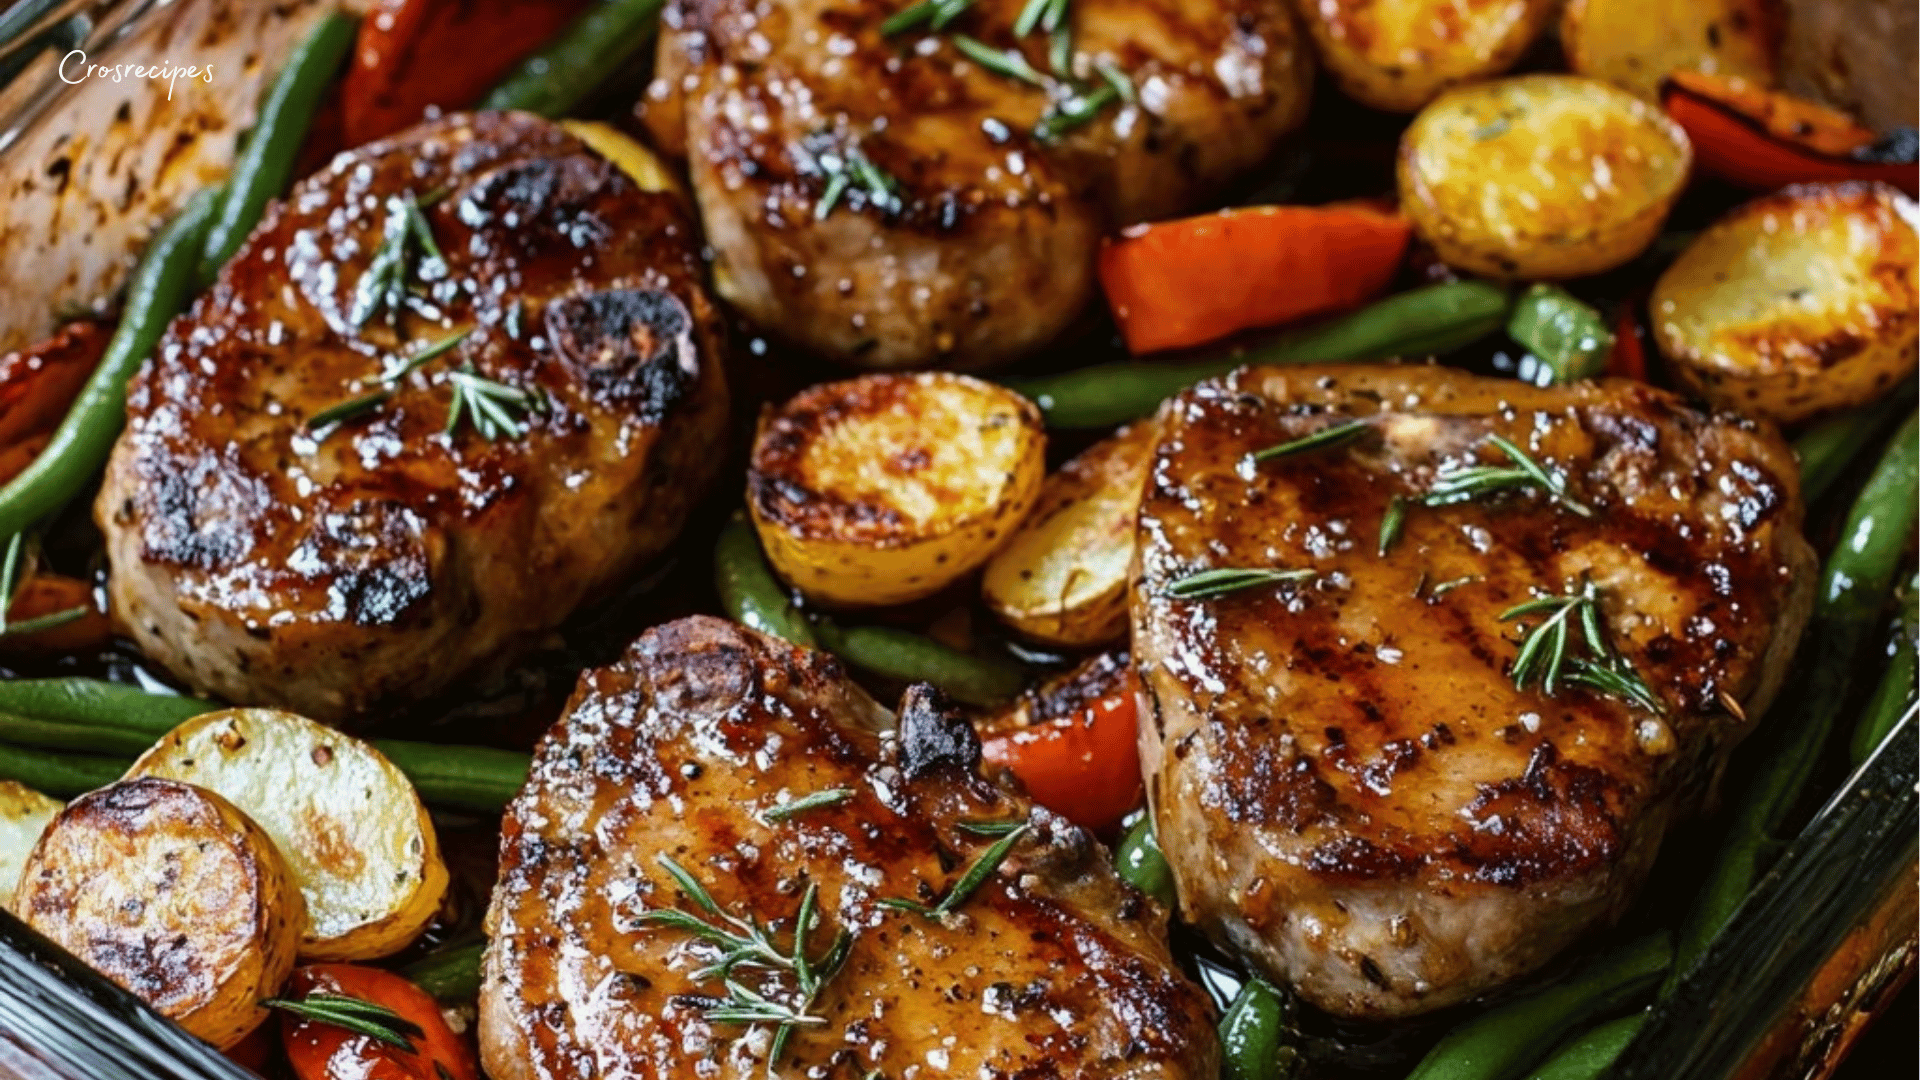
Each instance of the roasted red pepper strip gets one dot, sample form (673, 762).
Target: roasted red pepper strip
(1766, 140)
(38, 385)
(1082, 763)
(321, 1051)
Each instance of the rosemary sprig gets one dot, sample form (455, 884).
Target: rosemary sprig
(849, 167)
(1210, 583)
(1548, 651)
(815, 801)
(983, 868)
(1048, 15)
(494, 408)
(1463, 483)
(350, 409)
(1117, 79)
(1008, 63)
(1331, 435)
(384, 284)
(400, 367)
(362, 1017)
(1063, 116)
(935, 14)
(991, 828)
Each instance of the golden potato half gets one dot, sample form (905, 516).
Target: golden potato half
(360, 845)
(884, 489)
(170, 891)
(24, 814)
(1796, 303)
(1062, 578)
(1634, 44)
(1397, 54)
(1541, 176)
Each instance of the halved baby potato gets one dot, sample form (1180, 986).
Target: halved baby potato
(1634, 45)
(1541, 176)
(1398, 54)
(172, 892)
(24, 814)
(1796, 303)
(1062, 578)
(886, 488)
(353, 831)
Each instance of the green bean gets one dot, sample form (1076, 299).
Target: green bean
(1828, 447)
(1852, 589)
(119, 723)
(559, 77)
(450, 973)
(60, 775)
(1256, 1035)
(1502, 1043)
(156, 291)
(1589, 1056)
(1140, 860)
(749, 593)
(911, 657)
(264, 167)
(1895, 694)
(1569, 337)
(1424, 321)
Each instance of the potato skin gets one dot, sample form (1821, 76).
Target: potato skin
(1634, 45)
(1470, 173)
(360, 845)
(1062, 578)
(24, 814)
(886, 488)
(1397, 55)
(173, 893)
(1796, 303)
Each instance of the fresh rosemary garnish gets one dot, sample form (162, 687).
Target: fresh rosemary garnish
(383, 286)
(1331, 435)
(1048, 15)
(991, 828)
(1008, 63)
(12, 579)
(846, 168)
(1063, 116)
(1211, 583)
(983, 868)
(1116, 79)
(1547, 651)
(935, 14)
(399, 368)
(1446, 587)
(1462, 483)
(746, 943)
(494, 408)
(362, 1017)
(816, 801)
(350, 409)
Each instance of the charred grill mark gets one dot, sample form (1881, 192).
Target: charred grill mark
(633, 347)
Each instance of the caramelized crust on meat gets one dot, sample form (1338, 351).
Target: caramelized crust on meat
(1054, 968)
(990, 250)
(328, 570)
(1350, 788)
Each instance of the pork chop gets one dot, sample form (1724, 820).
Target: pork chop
(894, 200)
(1359, 785)
(273, 556)
(714, 778)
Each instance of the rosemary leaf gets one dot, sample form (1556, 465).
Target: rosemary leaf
(983, 868)
(991, 828)
(907, 18)
(49, 621)
(1331, 435)
(1117, 79)
(350, 409)
(689, 885)
(948, 10)
(1211, 583)
(362, 1017)
(1391, 522)
(1618, 680)
(401, 368)
(1008, 63)
(1030, 17)
(815, 801)
(1056, 16)
(1062, 117)
(1060, 50)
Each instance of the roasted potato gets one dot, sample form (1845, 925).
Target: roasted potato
(1062, 578)
(1634, 45)
(1796, 303)
(884, 489)
(174, 893)
(359, 843)
(1541, 176)
(1398, 54)
(631, 156)
(24, 814)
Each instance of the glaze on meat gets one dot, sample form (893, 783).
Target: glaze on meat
(329, 570)
(1349, 787)
(989, 251)
(1054, 968)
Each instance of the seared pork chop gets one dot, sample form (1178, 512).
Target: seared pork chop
(697, 755)
(1351, 789)
(272, 558)
(889, 201)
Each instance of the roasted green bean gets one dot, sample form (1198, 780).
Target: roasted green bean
(1569, 337)
(566, 70)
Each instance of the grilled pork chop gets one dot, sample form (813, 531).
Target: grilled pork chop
(698, 754)
(274, 559)
(1350, 788)
(972, 238)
